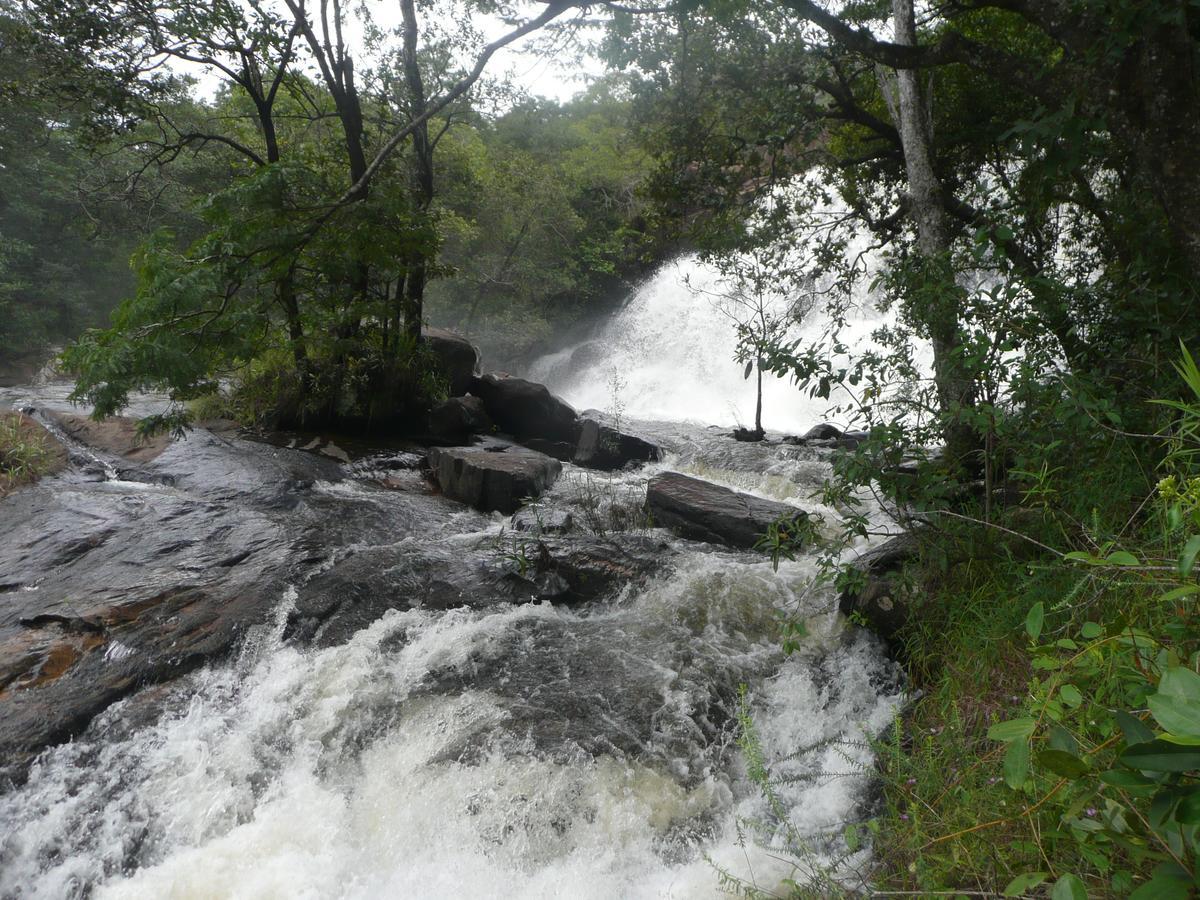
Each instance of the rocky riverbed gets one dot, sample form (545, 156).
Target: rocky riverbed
(239, 663)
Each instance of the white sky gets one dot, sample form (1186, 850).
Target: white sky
(556, 78)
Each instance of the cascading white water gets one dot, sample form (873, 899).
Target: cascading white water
(331, 774)
(510, 751)
(669, 354)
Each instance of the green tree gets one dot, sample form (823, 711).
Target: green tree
(312, 249)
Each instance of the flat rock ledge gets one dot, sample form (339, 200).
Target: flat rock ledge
(704, 511)
(493, 477)
(116, 435)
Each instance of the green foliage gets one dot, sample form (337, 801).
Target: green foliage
(787, 536)
(542, 219)
(64, 242)
(1081, 704)
(25, 454)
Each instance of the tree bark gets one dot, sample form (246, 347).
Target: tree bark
(938, 310)
(420, 171)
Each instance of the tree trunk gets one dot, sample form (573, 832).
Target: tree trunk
(938, 310)
(286, 291)
(420, 173)
(758, 405)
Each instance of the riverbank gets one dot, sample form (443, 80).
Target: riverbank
(1035, 674)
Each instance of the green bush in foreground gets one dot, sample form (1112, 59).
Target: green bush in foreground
(1056, 751)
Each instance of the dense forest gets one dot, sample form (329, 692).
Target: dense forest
(257, 209)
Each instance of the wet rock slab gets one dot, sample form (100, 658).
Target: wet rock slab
(602, 446)
(705, 511)
(106, 587)
(563, 569)
(116, 435)
(493, 476)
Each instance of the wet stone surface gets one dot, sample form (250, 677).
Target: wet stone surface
(384, 683)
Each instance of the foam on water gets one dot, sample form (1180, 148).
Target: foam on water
(340, 773)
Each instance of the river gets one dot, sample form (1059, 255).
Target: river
(390, 720)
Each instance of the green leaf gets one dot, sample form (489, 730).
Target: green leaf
(1186, 591)
(1133, 728)
(1181, 683)
(1034, 620)
(1091, 631)
(1122, 558)
(1061, 739)
(1181, 717)
(1187, 559)
(1011, 730)
(1188, 811)
(1161, 756)
(1024, 882)
(850, 834)
(1069, 887)
(1185, 740)
(1060, 762)
(1162, 887)
(1124, 779)
(1070, 695)
(1016, 764)
(1082, 556)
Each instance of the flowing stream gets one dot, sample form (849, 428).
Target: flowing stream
(409, 746)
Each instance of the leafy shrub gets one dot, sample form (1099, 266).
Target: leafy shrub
(25, 453)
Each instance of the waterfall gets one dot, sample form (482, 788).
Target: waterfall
(669, 354)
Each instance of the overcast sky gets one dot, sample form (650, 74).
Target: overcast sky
(558, 78)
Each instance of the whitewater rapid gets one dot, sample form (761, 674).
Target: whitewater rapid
(528, 751)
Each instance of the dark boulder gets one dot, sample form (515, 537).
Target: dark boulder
(526, 409)
(453, 421)
(560, 450)
(748, 435)
(582, 568)
(826, 435)
(705, 511)
(822, 432)
(458, 359)
(603, 447)
(880, 597)
(493, 477)
(851, 439)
